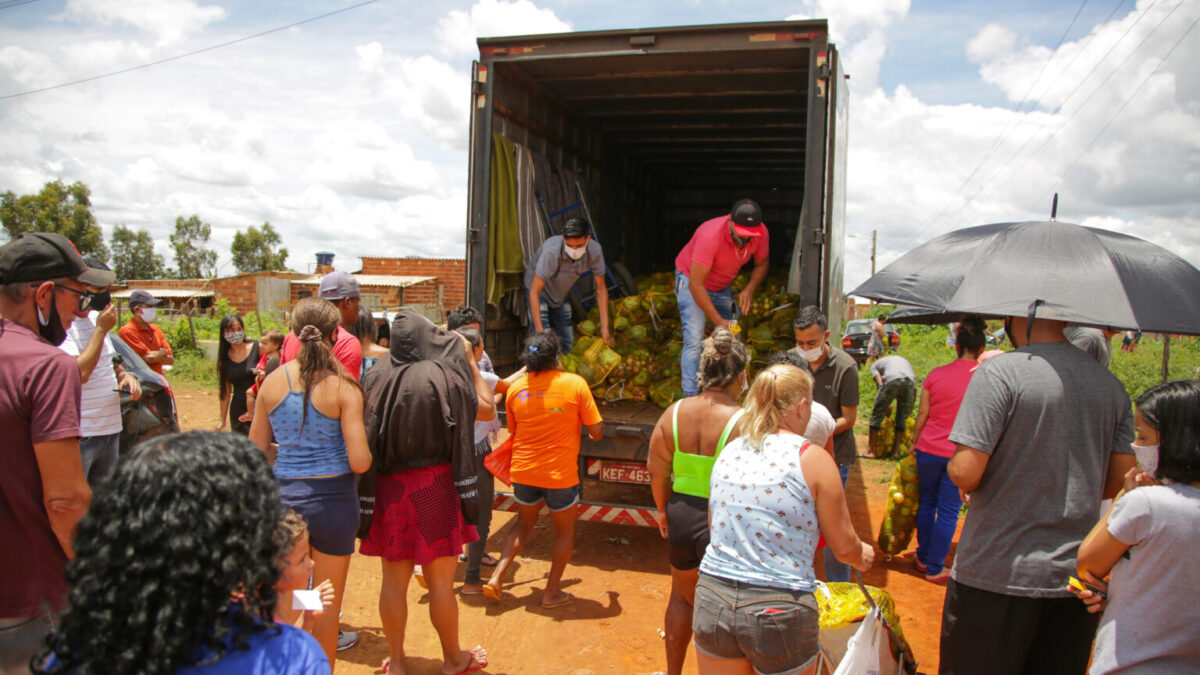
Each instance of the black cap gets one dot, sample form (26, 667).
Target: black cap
(140, 297)
(41, 256)
(747, 219)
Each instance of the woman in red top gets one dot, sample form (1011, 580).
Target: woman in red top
(943, 390)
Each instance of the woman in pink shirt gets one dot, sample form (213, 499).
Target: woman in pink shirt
(943, 389)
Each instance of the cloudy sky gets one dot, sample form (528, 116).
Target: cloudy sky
(349, 132)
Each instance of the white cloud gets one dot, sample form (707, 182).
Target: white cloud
(364, 161)
(993, 43)
(860, 30)
(167, 20)
(457, 30)
(423, 90)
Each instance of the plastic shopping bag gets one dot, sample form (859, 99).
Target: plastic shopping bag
(863, 651)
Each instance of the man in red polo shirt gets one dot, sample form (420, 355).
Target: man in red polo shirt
(703, 271)
(143, 336)
(340, 288)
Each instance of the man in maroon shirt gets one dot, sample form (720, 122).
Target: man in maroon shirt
(43, 493)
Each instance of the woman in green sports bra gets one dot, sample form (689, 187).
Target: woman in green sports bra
(683, 447)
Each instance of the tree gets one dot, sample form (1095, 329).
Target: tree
(134, 256)
(59, 208)
(193, 260)
(255, 250)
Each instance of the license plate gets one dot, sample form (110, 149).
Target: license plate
(617, 472)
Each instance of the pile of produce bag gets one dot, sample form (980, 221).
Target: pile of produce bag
(900, 517)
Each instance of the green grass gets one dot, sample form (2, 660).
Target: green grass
(190, 364)
(925, 348)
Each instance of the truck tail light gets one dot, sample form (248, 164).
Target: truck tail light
(894, 339)
(846, 342)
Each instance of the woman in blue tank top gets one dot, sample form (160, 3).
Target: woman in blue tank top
(314, 410)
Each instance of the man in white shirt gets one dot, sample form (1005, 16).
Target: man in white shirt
(100, 405)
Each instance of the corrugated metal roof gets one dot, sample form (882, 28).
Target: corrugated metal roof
(370, 280)
(161, 293)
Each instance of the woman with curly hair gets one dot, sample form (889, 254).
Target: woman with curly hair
(175, 568)
(322, 444)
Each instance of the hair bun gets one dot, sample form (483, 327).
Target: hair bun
(309, 333)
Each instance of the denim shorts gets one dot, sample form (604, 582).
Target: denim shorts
(776, 629)
(330, 506)
(557, 499)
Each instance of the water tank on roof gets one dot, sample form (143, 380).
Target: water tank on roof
(324, 258)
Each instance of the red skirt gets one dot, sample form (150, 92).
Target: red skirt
(418, 517)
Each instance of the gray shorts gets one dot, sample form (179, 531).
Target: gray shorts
(776, 629)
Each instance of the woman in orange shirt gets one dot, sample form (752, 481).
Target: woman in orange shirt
(546, 410)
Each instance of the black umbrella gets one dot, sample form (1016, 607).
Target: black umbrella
(1054, 270)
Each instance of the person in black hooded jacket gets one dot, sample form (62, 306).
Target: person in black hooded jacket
(422, 403)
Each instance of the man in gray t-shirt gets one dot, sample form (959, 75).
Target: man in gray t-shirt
(1094, 341)
(1043, 434)
(895, 381)
(557, 265)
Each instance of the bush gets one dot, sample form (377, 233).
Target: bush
(190, 364)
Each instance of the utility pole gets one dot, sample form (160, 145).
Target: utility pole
(874, 234)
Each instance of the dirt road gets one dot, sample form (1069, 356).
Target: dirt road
(619, 575)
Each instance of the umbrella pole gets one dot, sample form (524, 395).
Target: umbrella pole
(1166, 355)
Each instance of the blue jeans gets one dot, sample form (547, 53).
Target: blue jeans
(693, 319)
(22, 638)
(557, 319)
(99, 454)
(937, 516)
(836, 570)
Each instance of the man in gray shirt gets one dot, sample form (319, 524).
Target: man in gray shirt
(1095, 341)
(557, 265)
(835, 386)
(897, 382)
(1043, 435)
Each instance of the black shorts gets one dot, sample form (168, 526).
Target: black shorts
(687, 530)
(985, 633)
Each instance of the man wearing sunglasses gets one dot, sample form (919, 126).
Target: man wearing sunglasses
(103, 380)
(43, 284)
(144, 337)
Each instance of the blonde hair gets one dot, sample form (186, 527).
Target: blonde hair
(773, 394)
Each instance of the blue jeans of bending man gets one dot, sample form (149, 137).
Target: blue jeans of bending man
(836, 570)
(937, 516)
(557, 319)
(693, 319)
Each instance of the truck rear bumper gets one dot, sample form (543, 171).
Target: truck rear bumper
(591, 511)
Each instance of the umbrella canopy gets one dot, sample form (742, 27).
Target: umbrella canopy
(1066, 272)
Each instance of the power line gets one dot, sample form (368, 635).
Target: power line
(1017, 120)
(1131, 96)
(1082, 106)
(15, 3)
(934, 231)
(187, 54)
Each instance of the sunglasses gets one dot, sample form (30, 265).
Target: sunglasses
(85, 297)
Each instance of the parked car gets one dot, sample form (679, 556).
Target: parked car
(858, 334)
(152, 414)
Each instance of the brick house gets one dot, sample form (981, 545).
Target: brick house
(450, 273)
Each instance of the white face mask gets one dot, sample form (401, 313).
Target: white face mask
(235, 338)
(148, 313)
(575, 253)
(1147, 457)
(813, 355)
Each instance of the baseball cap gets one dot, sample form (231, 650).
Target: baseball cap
(140, 297)
(41, 256)
(338, 285)
(747, 219)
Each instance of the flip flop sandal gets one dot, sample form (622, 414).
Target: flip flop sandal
(491, 593)
(561, 603)
(475, 663)
(471, 592)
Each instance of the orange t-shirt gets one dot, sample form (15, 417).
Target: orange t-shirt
(546, 413)
(145, 340)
